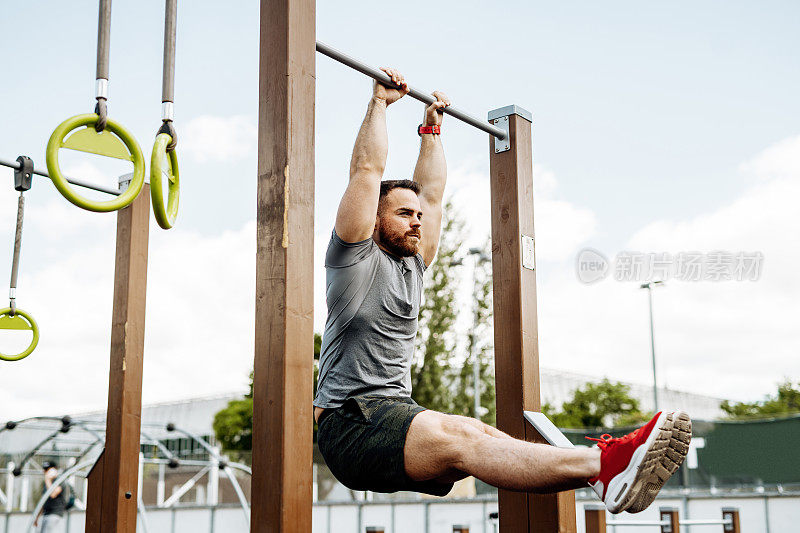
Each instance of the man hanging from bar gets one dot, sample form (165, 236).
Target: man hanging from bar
(372, 435)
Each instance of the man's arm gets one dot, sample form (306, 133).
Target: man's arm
(355, 220)
(431, 173)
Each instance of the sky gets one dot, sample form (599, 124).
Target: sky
(668, 128)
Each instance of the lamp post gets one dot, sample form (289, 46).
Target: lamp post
(649, 286)
(480, 258)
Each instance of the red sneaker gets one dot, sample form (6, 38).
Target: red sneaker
(629, 465)
(670, 461)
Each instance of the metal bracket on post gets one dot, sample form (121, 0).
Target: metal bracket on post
(499, 118)
(528, 252)
(23, 176)
(502, 145)
(124, 181)
(547, 429)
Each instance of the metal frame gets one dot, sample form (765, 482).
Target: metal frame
(670, 522)
(73, 181)
(95, 429)
(422, 96)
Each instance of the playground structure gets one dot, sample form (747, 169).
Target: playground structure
(281, 481)
(78, 442)
(669, 521)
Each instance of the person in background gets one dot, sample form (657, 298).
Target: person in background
(55, 507)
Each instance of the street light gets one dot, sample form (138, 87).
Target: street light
(480, 258)
(649, 286)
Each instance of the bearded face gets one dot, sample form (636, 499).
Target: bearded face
(401, 244)
(398, 228)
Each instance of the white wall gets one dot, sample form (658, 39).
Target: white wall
(784, 516)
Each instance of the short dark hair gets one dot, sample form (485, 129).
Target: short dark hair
(389, 185)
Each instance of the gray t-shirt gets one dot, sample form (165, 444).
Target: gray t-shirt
(373, 303)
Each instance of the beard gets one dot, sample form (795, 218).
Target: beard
(401, 245)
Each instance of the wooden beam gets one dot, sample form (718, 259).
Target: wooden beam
(671, 514)
(732, 514)
(284, 337)
(117, 471)
(94, 497)
(595, 518)
(515, 326)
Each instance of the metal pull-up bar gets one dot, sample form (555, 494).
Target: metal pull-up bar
(413, 93)
(80, 183)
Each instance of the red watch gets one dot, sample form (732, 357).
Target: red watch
(436, 130)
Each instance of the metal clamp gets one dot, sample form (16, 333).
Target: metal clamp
(23, 176)
(502, 145)
(499, 118)
(167, 111)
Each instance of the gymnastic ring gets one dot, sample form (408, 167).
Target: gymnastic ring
(114, 141)
(19, 320)
(165, 216)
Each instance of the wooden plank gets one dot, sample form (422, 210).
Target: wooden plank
(732, 514)
(671, 514)
(94, 498)
(515, 327)
(282, 411)
(120, 468)
(595, 519)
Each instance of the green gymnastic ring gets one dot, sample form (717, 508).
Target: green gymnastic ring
(113, 141)
(165, 216)
(20, 320)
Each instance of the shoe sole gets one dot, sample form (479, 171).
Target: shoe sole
(625, 488)
(669, 462)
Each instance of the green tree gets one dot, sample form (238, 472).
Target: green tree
(786, 401)
(602, 404)
(233, 425)
(479, 345)
(435, 341)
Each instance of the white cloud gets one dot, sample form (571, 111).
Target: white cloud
(731, 339)
(199, 330)
(212, 138)
(778, 161)
(560, 225)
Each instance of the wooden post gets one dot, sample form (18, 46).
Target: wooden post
(284, 336)
(94, 496)
(515, 329)
(732, 514)
(595, 518)
(113, 481)
(671, 514)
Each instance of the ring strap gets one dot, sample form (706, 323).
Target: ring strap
(168, 74)
(103, 48)
(12, 293)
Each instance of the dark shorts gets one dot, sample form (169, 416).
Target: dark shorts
(362, 443)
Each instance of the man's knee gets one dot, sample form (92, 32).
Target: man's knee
(449, 437)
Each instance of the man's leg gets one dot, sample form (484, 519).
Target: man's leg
(449, 447)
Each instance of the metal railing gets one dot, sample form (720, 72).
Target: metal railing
(74, 181)
(417, 94)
